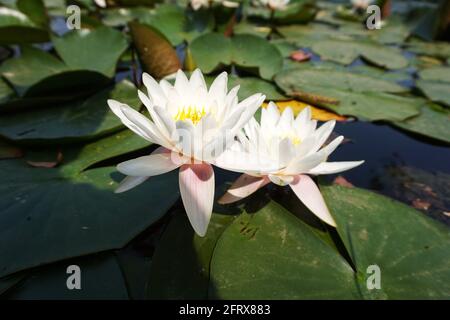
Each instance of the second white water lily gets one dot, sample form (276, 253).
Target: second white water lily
(297, 150)
(194, 126)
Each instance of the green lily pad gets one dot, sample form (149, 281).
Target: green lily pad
(78, 121)
(16, 27)
(438, 92)
(39, 75)
(431, 122)
(65, 212)
(342, 80)
(345, 52)
(246, 51)
(348, 94)
(32, 66)
(95, 50)
(410, 249)
(101, 278)
(5, 91)
(180, 267)
(271, 254)
(178, 24)
(435, 48)
(435, 84)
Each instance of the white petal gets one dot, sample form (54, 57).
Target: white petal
(218, 89)
(244, 186)
(150, 165)
(197, 192)
(182, 84)
(323, 133)
(245, 162)
(305, 164)
(280, 179)
(334, 167)
(308, 193)
(136, 122)
(130, 182)
(154, 90)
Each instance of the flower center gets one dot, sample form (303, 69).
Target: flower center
(190, 112)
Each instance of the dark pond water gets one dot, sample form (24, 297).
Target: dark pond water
(399, 165)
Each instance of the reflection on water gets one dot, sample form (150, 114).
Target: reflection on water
(398, 165)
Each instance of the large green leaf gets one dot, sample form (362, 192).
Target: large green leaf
(16, 27)
(100, 278)
(180, 267)
(349, 93)
(431, 122)
(63, 212)
(39, 75)
(346, 52)
(95, 50)
(435, 49)
(342, 80)
(81, 120)
(247, 51)
(271, 254)
(410, 249)
(435, 84)
(31, 67)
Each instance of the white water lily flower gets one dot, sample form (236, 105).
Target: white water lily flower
(295, 146)
(273, 4)
(193, 125)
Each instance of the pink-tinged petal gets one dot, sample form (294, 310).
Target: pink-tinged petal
(334, 167)
(244, 186)
(156, 163)
(129, 182)
(308, 193)
(197, 193)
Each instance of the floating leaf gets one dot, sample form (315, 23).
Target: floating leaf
(155, 52)
(435, 84)
(348, 93)
(16, 27)
(244, 50)
(180, 268)
(271, 254)
(431, 122)
(81, 120)
(410, 249)
(101, 278)
(95, 50)
(64, 212)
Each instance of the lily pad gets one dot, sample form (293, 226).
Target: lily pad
(410, 249)
(244, 50)
(431, 122)
(349, 94)
(180, 268)
(95, 50)
(78, 121)
(101, 278)
(435, 84)
(345, 52)
(64, 212)
(271, 254)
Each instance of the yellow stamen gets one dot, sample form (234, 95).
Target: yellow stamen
(193, 113)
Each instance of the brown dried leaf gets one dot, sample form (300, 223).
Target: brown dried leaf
(156, 54)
